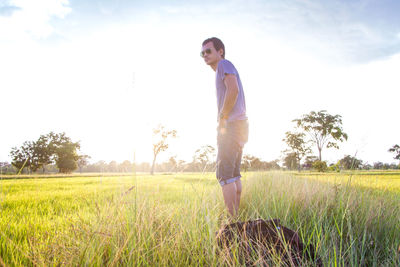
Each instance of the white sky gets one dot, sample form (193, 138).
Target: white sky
(109, 82)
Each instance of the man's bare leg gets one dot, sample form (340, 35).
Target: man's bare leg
(230, 192)
(238, 194)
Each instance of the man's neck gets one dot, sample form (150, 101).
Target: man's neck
(215, 65)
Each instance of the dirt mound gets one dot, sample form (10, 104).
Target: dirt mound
(259, 241)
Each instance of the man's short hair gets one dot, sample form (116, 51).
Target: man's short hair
(218, 44)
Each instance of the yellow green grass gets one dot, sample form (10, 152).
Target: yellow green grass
(171, 220)
(380, 180)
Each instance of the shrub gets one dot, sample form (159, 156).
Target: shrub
(320, 166)
(334, 167)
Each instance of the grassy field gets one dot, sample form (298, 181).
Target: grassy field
(170, 220)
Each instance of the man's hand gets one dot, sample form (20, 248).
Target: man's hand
(222, 126)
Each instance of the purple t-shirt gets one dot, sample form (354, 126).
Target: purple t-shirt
(238, 111)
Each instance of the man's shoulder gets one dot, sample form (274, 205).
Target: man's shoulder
(225, 62)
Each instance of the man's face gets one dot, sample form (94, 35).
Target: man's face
(213, 56)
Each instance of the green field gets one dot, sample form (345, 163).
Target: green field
(170, 220)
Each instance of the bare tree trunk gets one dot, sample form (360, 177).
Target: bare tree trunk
(154, 163)
(319, 150)
(204, 168)
(298, 165)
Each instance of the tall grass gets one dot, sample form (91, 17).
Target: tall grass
(350, 226)
(171, 220)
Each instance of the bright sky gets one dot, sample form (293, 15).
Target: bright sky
(107, 72)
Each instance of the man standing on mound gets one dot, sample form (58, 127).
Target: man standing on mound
(232, 122)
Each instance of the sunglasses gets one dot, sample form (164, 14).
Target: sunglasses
(207, 51)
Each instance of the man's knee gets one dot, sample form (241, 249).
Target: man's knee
(238, 191)
(238, 187)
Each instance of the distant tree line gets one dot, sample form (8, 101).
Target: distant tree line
(58, 153)
(203, 161)
(249, 163)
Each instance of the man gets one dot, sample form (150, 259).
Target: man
(232, 122)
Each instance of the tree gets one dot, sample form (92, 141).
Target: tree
(323, 129)
(67, 157)
(5, 167)
(367, 166)
(291, 161)
(386, 166)
(18, 158)
(126, 166)
(22, 157)
(378, 165)
(350, 163)
(309, 162)
(83, 160)
(66, 164)
(161, 135)
(394, 166)
(396, 150)
(335, 167)
(181, 165)
(3, 164)
(256, 163)
(172, 164)
(298, 147)
(253, 163)
(47, 149)
(271, 165)
(113, 166)
(43, 152)
(65, 152)
(101, 166)
(246, 162)
(204, 155)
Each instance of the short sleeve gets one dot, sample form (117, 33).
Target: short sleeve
(225, 67)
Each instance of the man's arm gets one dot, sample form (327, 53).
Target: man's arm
(232, 91)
